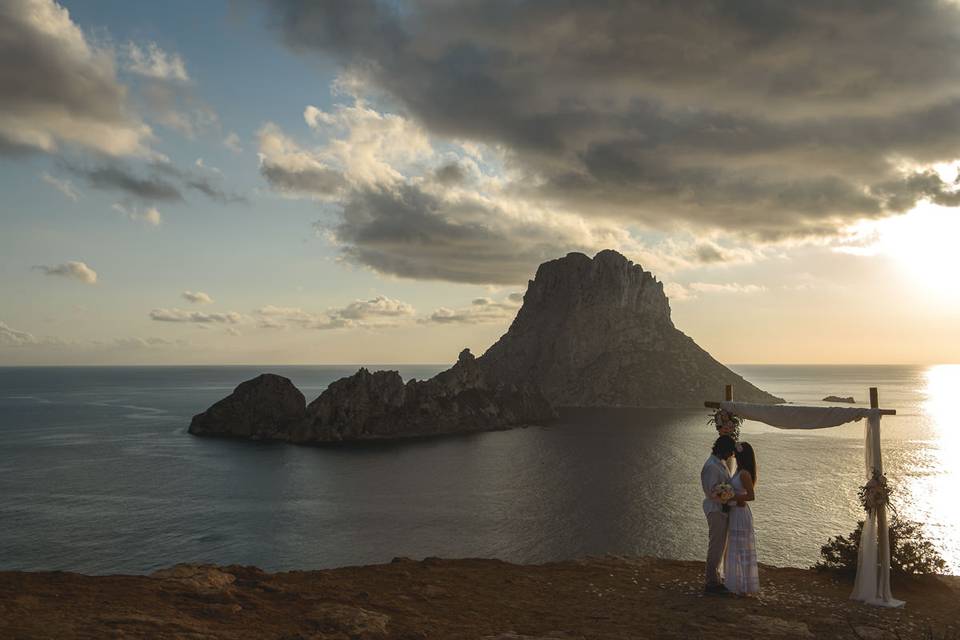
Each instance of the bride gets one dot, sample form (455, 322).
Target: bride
(740, 563)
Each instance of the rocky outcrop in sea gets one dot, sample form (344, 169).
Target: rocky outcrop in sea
(376, 406)
(592, 332)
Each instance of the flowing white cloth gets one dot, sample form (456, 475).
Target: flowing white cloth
(740, 573)
(873, 566)
(787, 416)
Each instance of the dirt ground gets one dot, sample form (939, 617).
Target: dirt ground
(611, 597)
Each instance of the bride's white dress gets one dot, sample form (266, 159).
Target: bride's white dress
(740, 562)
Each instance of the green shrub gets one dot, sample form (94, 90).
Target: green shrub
(911, 553)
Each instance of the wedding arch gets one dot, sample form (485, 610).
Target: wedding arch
(872, 584)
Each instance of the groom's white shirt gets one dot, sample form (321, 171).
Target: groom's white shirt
(713, 473)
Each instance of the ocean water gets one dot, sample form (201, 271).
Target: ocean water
(98, 475)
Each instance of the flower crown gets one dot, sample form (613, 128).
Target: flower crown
(723, 418)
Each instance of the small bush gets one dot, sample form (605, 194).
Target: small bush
(911, 553)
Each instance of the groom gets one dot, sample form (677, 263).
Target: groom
(715, 471)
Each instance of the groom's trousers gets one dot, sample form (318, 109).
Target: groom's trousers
(717, 522)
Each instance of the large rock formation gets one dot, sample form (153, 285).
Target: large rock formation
(379, 405)
(263, 408)
(597, 332)
(372, 406)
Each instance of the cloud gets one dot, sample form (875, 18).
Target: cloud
(726, 287)
(10, 337)
(197, 297)
(174, 105)
(73, 269)
(182, 315)
(63, 186)
(56, 88)
(679, 293)
(163, 182)
(153, 62)
(199, 182)
(292, 170)
(379, 311)
(232, 142)
(472, 237)
(481, 310)
(149, 215)
(143, 343)
(747, 118)
(114, 177)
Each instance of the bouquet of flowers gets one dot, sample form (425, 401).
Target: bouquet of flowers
(723, 492)
(876, 493)
(726, 423)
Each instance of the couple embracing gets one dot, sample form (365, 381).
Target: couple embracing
(732, 549)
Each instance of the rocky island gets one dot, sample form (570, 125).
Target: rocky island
(846, 399)
(375, 406)
(592, 332)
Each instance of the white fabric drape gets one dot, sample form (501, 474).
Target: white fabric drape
(788, 416)
(873, 566)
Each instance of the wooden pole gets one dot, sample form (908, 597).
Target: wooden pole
(874, 400)
(728, 393)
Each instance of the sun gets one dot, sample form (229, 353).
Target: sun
(925, 243)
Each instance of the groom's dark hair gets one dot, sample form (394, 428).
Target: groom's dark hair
(724, 447)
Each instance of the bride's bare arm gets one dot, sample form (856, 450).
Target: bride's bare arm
(747, 481)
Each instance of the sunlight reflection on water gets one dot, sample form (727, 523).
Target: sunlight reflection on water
(935, 476)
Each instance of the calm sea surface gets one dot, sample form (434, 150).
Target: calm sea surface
(98, 475)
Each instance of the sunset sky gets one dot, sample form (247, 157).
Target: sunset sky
(375, 182)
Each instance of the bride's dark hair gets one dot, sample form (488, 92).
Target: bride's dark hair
(747, 459)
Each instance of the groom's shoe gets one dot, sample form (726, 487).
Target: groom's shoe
(716, 590)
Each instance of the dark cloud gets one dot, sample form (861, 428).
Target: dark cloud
(771, 119)
(708, 254)
(164, 182)
(119, 178)
(409, 232)
(319, 181)
(198, 182)
(450, 174)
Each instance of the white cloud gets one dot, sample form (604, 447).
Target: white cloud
(10, 337)
(63, 186)
(677, 292)
(232, 142)
(182, 315)
(198, 297)
(175, 106)
(294, 171)
(72, 269)
(143, 343)
(58, 88)
(726, 287)
(380, 306)
(148, 215)
(153, 62)
(379, 311)
(200, 164)
(480, 310)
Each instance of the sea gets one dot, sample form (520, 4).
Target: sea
(98, 475)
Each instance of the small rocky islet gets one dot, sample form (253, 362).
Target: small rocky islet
(591, 332)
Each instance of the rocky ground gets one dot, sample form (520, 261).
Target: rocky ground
(593, 598)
